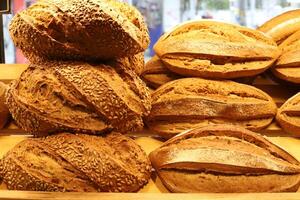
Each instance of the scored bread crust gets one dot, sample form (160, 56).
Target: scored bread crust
(73, 96)
(224, 158)
(76, 163)
(79, 30)
(288, 115)
(4, 112)
(282, 26)
(194, 102)
(287, 65)
(212, 49)
(156, 73)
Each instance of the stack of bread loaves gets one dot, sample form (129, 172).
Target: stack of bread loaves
(216, 51)
(214, 151)
(83, 78)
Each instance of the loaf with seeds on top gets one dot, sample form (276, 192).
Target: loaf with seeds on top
(76, 163)
(76, 96)
(79, 30)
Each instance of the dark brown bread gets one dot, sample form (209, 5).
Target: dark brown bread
(223, 159)
(282, 26)
(4, 112)
(156, 74)
(70, 96)
(287, 65)
(212, 49)
(76, 163)
(288, 115)
(193, 102)
(79, 29)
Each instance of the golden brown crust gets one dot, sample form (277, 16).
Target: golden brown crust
(79, 30)
(212, 49)
(224, 158)
(78, 97)
(193, 102)
(156, 74)
(288, 115)
(282, 26)
(135, 63)
(4, 112)
(287, 65)
(78, 163)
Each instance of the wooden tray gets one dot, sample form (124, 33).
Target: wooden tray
(12, 135)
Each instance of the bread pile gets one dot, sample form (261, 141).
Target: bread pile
(86, 57)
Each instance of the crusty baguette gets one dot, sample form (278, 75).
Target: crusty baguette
(77, 163)
(79, 29)
(224, 158)
(212, 49)
(287, 65)
(288, 115)
(4, 112)
(282, 26)
(80, 97)
(193, 102)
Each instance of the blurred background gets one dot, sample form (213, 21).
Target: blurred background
(161, 15)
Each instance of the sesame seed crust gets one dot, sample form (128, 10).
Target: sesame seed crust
(78, 163)
(79, 30)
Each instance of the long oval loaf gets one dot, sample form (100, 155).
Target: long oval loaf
(282, 26)
(288, 115)
(79, 29)
(76, 163)
(73, 96)
(224, 158)
(192, 102)
(212, 49)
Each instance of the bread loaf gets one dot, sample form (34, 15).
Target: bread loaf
(193, 102)
(79, 29)
(76, 163)
(287, 65)
(156, 74)
(212, 49)
(134, 63)
(223, 159)
(282, 26)
(4, 113)
(288, 115)
(80, 97)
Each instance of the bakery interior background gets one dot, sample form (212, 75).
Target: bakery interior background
(161, 15)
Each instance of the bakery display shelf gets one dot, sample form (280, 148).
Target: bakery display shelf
(11, 135)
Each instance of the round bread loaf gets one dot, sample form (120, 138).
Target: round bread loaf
(76, 163)
(211, 49)
(79, 30)
(224, 158)
(4, 112)
(189, 103)
(70, 96)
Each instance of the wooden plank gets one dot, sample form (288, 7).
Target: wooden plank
(11, 72)
(19, 195)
